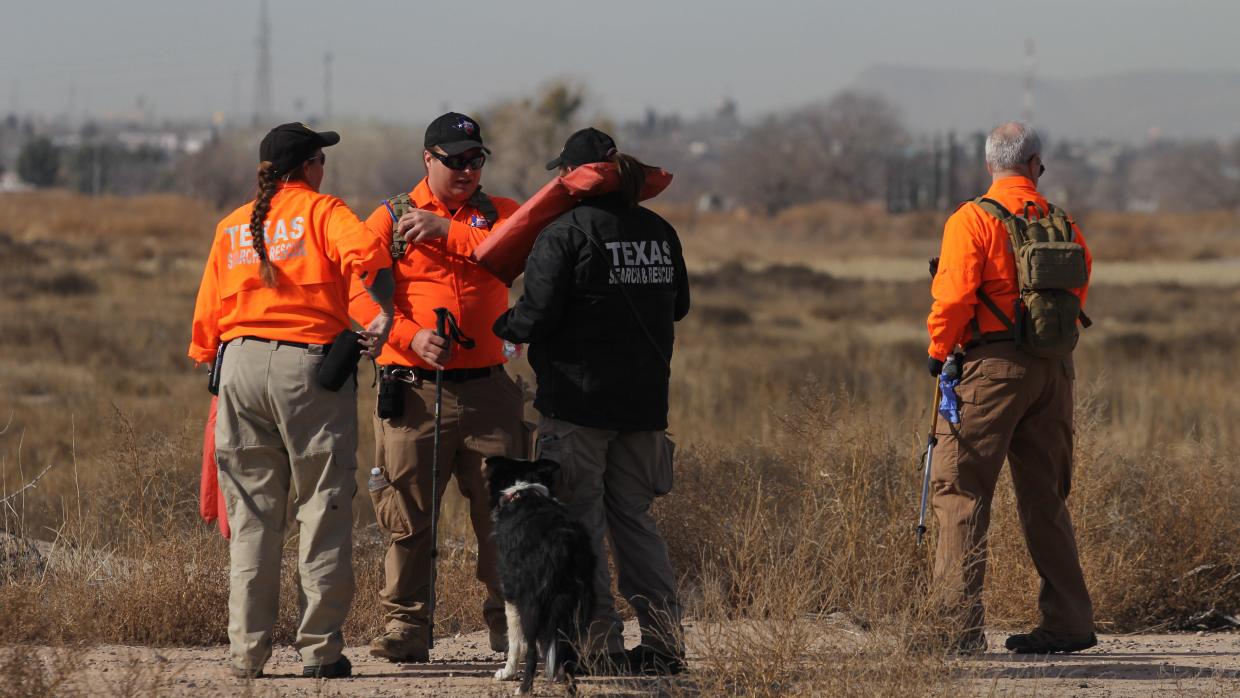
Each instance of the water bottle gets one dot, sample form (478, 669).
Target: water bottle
(377, 481)
(511, 351)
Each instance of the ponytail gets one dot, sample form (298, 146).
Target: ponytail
(632, 177)
(258, 219)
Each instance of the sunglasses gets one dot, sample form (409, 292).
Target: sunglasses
(1041, 166)
(462, 161)
(321, 158)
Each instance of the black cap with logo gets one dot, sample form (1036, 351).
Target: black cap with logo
(584, 147)
(454, 134)
(287, 146)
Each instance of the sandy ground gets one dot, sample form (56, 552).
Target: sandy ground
(1122, 666)
(1206, 664)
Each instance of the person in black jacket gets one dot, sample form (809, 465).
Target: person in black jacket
(604, 285)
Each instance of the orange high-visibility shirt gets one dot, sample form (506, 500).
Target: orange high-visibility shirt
(977, 252)
(316, 243)
(440, 274)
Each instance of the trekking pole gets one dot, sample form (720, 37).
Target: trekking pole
(931, 442)
(446, 327)
(441, 329)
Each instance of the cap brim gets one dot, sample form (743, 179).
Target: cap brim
(555, 164)
(327, 138)
(458, 147)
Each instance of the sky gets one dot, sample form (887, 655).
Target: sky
(411, 60)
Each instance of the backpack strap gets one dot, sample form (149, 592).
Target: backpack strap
(1010, 222)
(398, 206)
(481, 201)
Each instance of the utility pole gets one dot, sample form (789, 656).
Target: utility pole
(262, 78)
(1031, 63)
(327, 87)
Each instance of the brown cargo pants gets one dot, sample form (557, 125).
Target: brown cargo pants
(277, 431)
(608, 481)
(1017, 406)
(480, 418)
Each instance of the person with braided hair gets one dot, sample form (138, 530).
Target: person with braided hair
(274, 298)
(431, 232)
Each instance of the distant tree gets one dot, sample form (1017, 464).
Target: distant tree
(525, 133)
(837, 150)
(39, 162)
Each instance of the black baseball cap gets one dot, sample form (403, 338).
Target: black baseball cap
(584, 147)
(287, 146)
(454, 134)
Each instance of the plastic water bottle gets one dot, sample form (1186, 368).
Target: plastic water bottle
(511, 351)
(377, 481)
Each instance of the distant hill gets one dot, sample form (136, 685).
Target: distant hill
(1128, 106)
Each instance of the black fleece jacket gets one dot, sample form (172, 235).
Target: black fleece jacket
(595, 363)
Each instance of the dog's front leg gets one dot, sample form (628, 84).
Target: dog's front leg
(516, 645)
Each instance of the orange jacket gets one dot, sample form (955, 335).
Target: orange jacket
(977, 253)
(316, 243)
(439, 274)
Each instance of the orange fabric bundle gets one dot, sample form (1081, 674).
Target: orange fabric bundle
(503, 253)
(210, 499)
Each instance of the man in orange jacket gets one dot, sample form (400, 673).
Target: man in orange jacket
(1013, 405)
(440, 222)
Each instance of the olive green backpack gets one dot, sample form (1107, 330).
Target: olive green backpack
(1049, 265)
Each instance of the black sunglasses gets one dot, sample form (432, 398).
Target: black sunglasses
(321, 158)
(462, 161)
(1041, 166)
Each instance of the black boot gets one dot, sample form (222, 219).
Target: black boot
(1041, 641)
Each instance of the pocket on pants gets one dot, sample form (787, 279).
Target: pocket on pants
(556, 446)
(662, 477)
(389, 512)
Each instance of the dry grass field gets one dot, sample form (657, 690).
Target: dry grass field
(799, 403)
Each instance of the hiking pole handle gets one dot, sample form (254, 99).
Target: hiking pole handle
(931, 441)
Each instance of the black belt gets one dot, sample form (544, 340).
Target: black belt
(990, 338)
(300, 345)
(410, 374)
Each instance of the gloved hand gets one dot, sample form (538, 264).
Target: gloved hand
(950, 369)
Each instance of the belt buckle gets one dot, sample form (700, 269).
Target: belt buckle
(404, 375)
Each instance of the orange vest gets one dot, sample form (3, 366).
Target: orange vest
(439, 274)
(977, 253)
(316, 243)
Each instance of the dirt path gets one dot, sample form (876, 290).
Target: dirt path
(1121, 667)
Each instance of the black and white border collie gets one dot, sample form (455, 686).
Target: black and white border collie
(546, 567)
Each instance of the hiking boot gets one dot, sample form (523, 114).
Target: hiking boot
(498, 640)
(1041, 641)
(339, 669)
(406, 646)
(649, 661)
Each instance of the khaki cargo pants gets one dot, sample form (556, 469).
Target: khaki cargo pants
(481, 418)
(1019, 407)
(278, 432)
(608, 481)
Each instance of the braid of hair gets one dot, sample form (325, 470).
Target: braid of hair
(258, 219)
